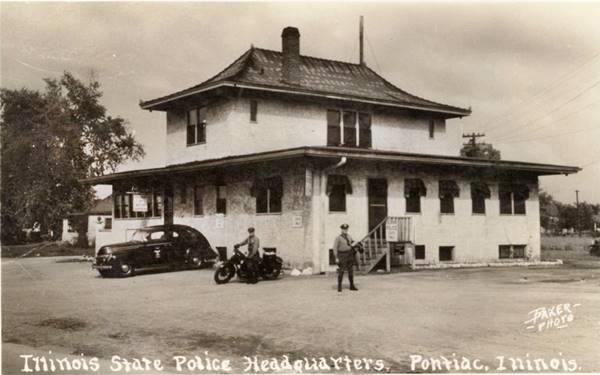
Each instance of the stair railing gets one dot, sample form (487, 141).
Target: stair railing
(373, 242)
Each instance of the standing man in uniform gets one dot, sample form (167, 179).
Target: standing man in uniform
(251, 260)
(344, 257)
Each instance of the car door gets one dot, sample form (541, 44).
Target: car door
(200, 243)
(177, 250)
(157, 248)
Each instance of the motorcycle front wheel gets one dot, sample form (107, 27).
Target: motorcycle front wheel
(224, 273)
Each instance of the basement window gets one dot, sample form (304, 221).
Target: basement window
(268, 193)
(419, 252)
(196, 126)
(448, 191)
(511, 251)
(446, 253)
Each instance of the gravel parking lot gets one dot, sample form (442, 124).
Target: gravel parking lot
(60, 304)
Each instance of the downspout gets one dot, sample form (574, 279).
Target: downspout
(322, 215)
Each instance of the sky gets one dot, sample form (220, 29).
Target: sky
(530, 72)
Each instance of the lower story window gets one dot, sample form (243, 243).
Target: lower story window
(124, 207)
(268, 193)
(420, 252)
(446, 253)
(108, 223)
(511, 251)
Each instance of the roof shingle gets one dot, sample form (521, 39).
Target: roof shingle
(262, 67)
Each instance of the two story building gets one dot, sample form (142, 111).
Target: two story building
(296, 145)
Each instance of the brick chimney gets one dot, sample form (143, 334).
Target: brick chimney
(290, 49)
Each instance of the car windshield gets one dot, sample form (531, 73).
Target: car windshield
(145, 235)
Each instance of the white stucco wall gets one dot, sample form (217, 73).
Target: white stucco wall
(282, 124)
(475, 237)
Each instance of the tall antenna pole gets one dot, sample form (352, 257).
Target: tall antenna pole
(361, 41)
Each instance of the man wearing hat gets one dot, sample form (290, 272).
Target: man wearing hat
(344, 257)
(251, 261)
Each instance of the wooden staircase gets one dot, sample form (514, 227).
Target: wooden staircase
(376, 245)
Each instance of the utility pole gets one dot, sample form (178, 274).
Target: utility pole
(473, 136)
(578, 215)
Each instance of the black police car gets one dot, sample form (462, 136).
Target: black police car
(155, 247)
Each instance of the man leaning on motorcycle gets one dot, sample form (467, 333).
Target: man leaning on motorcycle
(251, 263)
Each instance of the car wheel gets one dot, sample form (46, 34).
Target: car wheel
(195, 259)
(124, 269)
(104, 273)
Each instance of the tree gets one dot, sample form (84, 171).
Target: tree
(480, 150)
(50, 141)
(549, 211)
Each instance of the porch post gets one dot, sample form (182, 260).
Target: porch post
(317, 242)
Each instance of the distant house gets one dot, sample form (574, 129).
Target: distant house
(295, 145)
(97, 219)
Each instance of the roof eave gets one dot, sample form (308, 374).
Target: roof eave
(333, 152)
(155, 104)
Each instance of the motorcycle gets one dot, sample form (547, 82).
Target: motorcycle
(269, 266)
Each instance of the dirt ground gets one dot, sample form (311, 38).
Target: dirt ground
(44, 249)
(60, 304)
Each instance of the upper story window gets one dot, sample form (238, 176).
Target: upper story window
(253, 110)
(348, 128)
(337, 188)
(512, 198)
(268, 193)
(196, 126)
(431, 129)
(480, 191)
(414, 189)
(448, 191)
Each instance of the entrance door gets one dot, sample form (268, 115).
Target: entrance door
(377, 190)
(168, 205)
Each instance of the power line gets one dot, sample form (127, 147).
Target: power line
(571, 114)
(557, 108)
(545, 90)
(548, 136)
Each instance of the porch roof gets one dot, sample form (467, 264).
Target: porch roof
(330, 152)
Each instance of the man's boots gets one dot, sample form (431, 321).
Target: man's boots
(340, 276)
(351, 278)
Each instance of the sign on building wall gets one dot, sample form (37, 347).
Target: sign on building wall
(391, 230)
(140, 203)
(297, 219)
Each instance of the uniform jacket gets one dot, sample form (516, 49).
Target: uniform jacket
(342, 244)
(253, 245)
